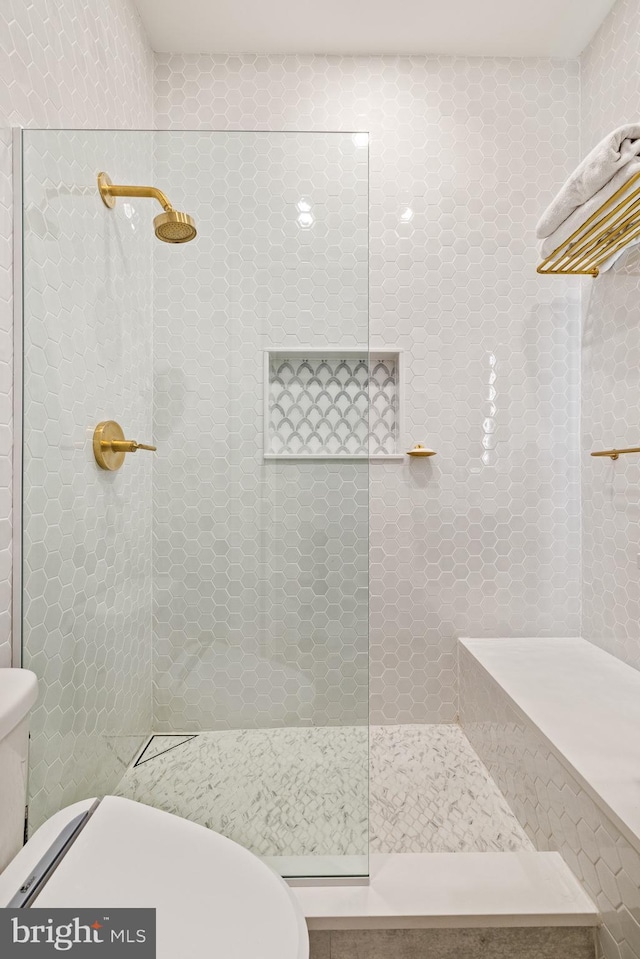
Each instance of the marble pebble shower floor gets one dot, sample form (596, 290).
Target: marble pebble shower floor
(281, 792)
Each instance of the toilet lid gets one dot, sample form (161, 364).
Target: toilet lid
(212, 896)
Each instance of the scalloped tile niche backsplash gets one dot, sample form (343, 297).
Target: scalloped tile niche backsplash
(331, 404)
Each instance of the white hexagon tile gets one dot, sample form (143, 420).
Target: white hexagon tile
(70, 63)
(610, 372)
(63, 63)
(485, 536)
(260, 567)
(259, 576)
(87, 533)
(6, 396)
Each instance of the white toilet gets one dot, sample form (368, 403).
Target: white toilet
(212, 896)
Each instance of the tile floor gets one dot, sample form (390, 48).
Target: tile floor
(304, 791)
(430, 792)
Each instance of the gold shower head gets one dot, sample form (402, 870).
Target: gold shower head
(170, 226)
(174, 227)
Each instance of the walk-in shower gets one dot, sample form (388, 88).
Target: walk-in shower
(198, 618)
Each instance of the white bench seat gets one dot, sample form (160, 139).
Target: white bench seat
(586, 705)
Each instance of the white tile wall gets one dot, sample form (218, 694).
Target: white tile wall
(611, 370)
(63, 63)
(464, 155)
(554, 809)
(73, 63)
(260, 568)
(6, 381)
(87, 532)
(452, 208)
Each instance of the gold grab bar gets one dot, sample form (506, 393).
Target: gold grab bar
(614, 454)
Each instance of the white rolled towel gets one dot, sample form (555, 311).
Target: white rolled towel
(604, 162)
(591, 206)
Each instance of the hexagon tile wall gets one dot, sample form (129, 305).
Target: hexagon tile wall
(611, 371)
(484, 538)
(70, 63)
(6, 382)
(87, 533)
(261, 613)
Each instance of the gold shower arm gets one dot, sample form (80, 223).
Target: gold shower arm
(109, 191)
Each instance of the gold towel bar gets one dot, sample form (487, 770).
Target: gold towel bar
(614, 454)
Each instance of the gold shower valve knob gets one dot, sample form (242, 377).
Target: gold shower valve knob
(110, 446)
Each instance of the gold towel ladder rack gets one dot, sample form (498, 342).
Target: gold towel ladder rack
(614, 225)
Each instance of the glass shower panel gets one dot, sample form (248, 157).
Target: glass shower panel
(245, 667)
(87, 588)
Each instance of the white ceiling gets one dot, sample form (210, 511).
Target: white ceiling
(514, 28)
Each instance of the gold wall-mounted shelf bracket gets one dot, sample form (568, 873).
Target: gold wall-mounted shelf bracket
(613, 226)
(110, 446)
(420, 450)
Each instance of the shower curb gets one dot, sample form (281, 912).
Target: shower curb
(454, 891)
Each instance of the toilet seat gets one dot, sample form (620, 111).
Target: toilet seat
(213, 897)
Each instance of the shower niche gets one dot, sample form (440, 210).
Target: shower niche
(332, 404)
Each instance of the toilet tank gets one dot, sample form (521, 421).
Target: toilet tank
(18, 693)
